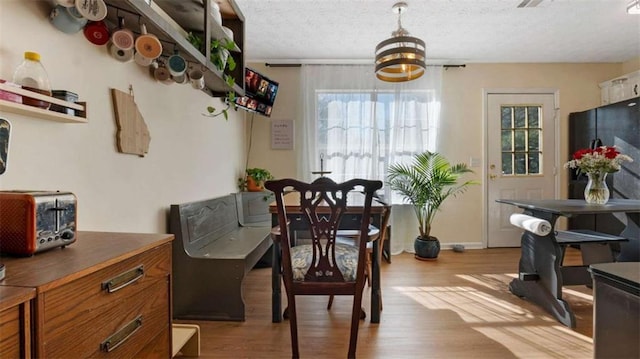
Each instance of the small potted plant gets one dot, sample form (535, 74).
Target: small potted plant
(425, 184)
(254, 179)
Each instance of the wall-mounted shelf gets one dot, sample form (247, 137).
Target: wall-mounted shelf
(31, 111)
(170, 21)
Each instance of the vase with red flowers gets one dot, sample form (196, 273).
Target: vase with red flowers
(597, 163)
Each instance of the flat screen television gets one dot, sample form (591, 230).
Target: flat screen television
(260, 93)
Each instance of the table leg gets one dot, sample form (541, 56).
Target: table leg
(276, 279)
(375, 283)
(542, 256)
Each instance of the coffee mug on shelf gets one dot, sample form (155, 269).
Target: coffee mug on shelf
(93, 10)
(227, 31)
(161, 73)
(66, 3)
(123, 38)
(148, 45)
(141, 60)
(120, 54)
(97, 32)
(196, 77)
(177, 64)
(67, 19)
(180, 79)
(215, 13)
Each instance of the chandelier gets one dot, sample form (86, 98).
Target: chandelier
(401, 57)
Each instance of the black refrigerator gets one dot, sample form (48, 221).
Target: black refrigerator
(616, 124)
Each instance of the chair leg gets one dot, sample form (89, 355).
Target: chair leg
(355, 323)
(330, 302)
(293, 325)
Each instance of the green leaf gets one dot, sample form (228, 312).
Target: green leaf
(231, 63)
(211, 109)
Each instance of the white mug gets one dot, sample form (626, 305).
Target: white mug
(141, 60)
(180, 79)
(196, 77)
(119, 54)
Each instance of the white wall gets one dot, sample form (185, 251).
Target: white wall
(190, 157)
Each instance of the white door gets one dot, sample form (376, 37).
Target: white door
(520, 158)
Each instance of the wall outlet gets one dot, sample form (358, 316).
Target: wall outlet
(474, 162)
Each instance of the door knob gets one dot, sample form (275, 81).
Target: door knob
(492, 177)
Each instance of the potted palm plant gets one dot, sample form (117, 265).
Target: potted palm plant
(426, 183)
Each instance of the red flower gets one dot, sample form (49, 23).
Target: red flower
(580, 153)
(611, 153)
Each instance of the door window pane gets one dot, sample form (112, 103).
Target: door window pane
(507, 163)
(521, 139)
(506, 140)
(506, 117)
(519, 117)
(534, 163)
(520, 163)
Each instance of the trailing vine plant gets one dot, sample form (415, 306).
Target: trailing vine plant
(222, 59)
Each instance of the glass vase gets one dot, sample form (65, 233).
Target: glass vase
(596, 191)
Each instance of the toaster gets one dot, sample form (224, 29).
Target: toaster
(34, 221)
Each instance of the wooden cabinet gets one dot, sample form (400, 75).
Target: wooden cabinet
(15, 321)
(620, 89)
(106, 295)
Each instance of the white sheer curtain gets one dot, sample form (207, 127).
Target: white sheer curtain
(359, 125)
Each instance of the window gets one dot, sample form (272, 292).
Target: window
(356, 131)
(521, 141)
(359, 125)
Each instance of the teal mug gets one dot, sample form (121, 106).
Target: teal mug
(67, 19)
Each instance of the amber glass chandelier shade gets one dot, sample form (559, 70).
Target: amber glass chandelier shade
(400, 58)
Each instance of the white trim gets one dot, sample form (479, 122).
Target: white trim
(485, 153)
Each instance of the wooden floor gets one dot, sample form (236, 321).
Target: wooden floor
(456, 307)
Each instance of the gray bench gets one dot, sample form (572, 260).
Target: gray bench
(595, 247)
(212, 253)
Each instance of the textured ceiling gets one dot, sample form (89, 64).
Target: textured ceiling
(455, 31)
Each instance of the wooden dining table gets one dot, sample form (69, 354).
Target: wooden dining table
(350, 220)
(542, 273)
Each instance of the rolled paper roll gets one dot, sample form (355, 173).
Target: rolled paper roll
(534, 225)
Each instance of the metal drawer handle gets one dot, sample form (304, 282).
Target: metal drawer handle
(121, 336)
(123, 280)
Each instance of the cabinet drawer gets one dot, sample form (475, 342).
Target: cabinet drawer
(85, 298)
(130, 322)
(158, 347)
(10, 333)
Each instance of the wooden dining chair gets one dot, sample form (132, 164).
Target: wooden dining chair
(324, 267)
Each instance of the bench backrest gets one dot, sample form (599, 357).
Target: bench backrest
(253, 208)
(196, 224)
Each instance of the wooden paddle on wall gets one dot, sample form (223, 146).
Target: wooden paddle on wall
(133, 135)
